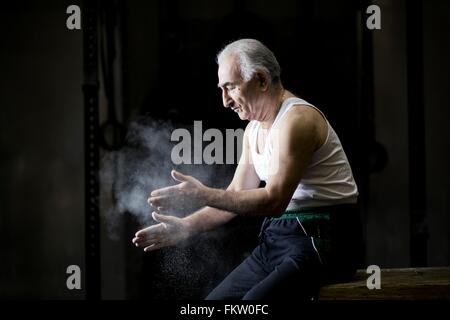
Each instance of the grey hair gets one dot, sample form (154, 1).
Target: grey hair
(252, 56)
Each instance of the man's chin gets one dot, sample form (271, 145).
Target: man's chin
(242, 116)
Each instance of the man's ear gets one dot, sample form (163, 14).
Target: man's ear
(263, 80)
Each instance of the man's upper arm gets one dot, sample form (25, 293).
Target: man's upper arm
(245, 176)
(293, 146)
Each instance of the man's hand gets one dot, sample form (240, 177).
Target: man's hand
(170, 231)
(188, 194)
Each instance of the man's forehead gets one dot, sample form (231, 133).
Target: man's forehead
(228, 71)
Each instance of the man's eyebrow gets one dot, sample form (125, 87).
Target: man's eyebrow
(221, 85)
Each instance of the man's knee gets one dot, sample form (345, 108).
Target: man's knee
(289, 280)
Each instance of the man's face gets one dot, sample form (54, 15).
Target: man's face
(240, 96)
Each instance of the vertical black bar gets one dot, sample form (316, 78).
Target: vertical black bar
(91, 149)
(365, 112)
(416, 134)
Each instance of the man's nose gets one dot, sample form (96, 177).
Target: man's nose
(227, 101)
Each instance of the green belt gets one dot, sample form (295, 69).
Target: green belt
(304, 214)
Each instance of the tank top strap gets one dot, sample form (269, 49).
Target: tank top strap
(287, 105)
(252, 135)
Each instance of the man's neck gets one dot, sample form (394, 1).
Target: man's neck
(273, 107)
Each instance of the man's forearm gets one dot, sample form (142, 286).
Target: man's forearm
(252, 202)
(208, 218)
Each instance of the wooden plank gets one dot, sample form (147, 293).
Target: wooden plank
(396, 284)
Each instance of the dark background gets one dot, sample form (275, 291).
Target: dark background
(385, 92)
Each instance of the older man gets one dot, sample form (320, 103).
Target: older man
(310, 230)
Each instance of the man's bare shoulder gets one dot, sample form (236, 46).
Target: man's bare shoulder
(301, 123)
(301, 117)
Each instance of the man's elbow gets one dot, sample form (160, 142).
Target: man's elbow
(276, 211)
(275, 206)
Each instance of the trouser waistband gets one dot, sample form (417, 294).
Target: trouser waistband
(315, 221)
(303, 216)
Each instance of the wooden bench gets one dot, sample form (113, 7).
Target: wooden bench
(396, 284)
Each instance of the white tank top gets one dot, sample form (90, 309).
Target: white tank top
(328, 180)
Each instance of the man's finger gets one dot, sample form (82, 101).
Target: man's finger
(155, 229)
(152, 247)
(149, 243)
(143, 232)
(166, 191)
(178, 176)
(159, 201)
(163, 218)
(150, 237)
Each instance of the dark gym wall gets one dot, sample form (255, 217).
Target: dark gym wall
(41, 132)
(388, 213)
(388, 210)
(437, 112)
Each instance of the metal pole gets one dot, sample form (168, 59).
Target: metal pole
(416, 133)
(91, 149)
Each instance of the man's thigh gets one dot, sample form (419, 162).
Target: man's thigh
(295, 278)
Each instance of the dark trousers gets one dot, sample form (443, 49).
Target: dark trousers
(294, 258)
